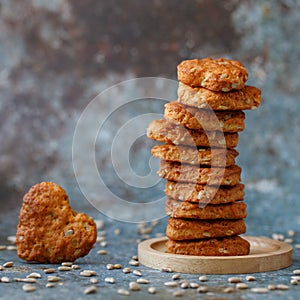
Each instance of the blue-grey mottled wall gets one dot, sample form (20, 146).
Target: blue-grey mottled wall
(56, 56)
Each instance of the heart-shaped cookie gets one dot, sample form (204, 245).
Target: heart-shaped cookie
(49, 230)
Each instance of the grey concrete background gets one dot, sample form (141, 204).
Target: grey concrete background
(56, 56)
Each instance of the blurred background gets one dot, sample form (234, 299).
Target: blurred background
(56, 56)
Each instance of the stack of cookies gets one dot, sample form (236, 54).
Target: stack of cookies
(204, 193)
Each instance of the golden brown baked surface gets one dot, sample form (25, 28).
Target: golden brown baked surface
(204, 119)
(188, 210)
(188, 173)
(228, 246)
(191, 229)
(49, 231)
(215, 74)
(169, 132)
(201, 193)
(195, 156)
(248, 97)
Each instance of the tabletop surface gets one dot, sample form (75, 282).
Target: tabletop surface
(268, 214)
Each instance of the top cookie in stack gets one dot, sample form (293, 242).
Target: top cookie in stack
(198, 160)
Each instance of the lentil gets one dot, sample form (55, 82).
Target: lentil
(151, 290)
(171, 283)
(109, 280)
(49, 271)
(234, 279)
(137, 272)
(203, 278)
(259, 290)
(28, 288)
(34, 275)
(202, 289)
(5, 279)
(142, 281)
(242, 286)
(8, 264)
(93, 280)
(102, 252)
(250, 278)
(133, 286)
(53, 278)
(282, 287)
(126, 270)
(90, 290)
(176, 276)
(123, 292)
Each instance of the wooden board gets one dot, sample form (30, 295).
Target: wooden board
(265, 255)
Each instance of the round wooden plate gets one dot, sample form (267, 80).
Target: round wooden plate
(265, 255)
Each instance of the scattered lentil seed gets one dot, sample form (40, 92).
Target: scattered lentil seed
(277, 236)
(8, 264)
(184, 285)
(294, 281)
(93, 280)
(178, 294)
(11, 248)
(126, 270)
(134, 286)
(28, 280)
(282, 287)
(49, 271)
(250, 278)
(67, 264)
(142, 281)
(34, 275)
(89, 272)
(75, 267)
(260, 290)
(271, 287)
(291, 232)
(234, 279)
(171, 283)
(90, 290)
(297, 246)
(102, 233)
(176, 276)
(53, 278)
(135, 257)
(117, 231)
(117, 266)
(2, 247)
(1, 268)
(194, 285)
(100, 239)
(202, 289)
(296, 278)
(99, 224)
(50, 285)
(102, 252)
(5, 279)
(242, 286)
(296, 272)
(288, 240)
(103, 244)
(229, 290)
(110, 267)
(64, 268)
(167, 270)
(28, 288)
(151, 290)
(12, 239)
(134, 263)
(123, 292)
(109, 280)
(137, 272)
(203, 278)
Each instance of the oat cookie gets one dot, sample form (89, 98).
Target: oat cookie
(169, 132)
(190, 229)
(195, 156)
(248, 97)
(188, 210)
(228, 246)
(188, 173)
(200, 193)
(215, 74)
(194, 118)
(49, 231)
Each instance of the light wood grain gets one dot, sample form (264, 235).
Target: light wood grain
(265, 255)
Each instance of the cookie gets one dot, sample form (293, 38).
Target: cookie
(204, 119)
(228, 246)
(215, 74)
(246, 98)
(188, 173)
(188, 210)
(169, 132)
(195, 156)
(49, 231)
(200, 193)
(183, 229)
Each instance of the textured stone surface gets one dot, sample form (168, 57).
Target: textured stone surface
(56, 56)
